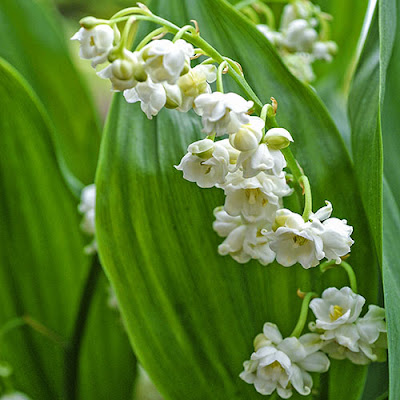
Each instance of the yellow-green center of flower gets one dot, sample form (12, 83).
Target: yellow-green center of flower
(253, 194)
(276, 365)
(336, 313)
(92, 43)
(299, 240)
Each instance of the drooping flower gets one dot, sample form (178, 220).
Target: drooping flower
(308, 242)
(243, 241)
(295, 240)
(283, 364)
(207, 162)
(14, 396)
(249, 135)
(344, 333)
(222, 112)
(95, 43)
(195, 83)
(336, 307)
(300, 36)
(87, 207)
(256, 198)
(324, 50)
(274, 37)
(152, 97)
(166, 60)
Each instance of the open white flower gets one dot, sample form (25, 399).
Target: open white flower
(87, 207)
(195, 83)
(222, 112)
(166, 60)
(261, 159)
(243, 241)
(345, 334)
(95, 43)
(152, 97)
(256, 198)
(324, 50)
(295, 240)
(121, 72)
(336, 307)
(282, 364)
(206, 162)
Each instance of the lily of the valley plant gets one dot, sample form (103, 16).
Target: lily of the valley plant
(243, 151)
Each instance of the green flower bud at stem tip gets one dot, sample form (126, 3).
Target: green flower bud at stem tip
(90, 22)
(278, 138)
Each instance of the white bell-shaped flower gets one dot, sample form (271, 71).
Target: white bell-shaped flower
(121, 72)
(222, 112)
(255, 199)
(335, 233)
(295, 240)
(300, 36)
(262, 159)
(336, 307)
(166, 60)
(243, 241)
(152, 97)
(195, 83)
(95, 43)
(206, 162)
(277, 138)
(291, 12)
(249, 135)
(324, 50)
(283, 364)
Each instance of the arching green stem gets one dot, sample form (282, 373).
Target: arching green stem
(220, 84)
(303, 314)
(149, 37)
(347, 267)
(266, 10)
(183, 30)
(307, 197)
(210, 51)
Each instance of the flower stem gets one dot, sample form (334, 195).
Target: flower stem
(220, 84)
(150, 36)
(74, 346)
(303, 314)
(197, 41)
(183, 30)
(347, 267)
(307, 197)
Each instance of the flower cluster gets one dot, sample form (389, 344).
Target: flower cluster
(87, 207)
(248, 165)
(284, 364)
(338, 332)
(158, 75)
(344, 332)
(301, 38)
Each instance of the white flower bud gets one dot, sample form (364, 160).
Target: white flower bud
(278, 138)
(121, 71)
(249, 135)
(300, 36)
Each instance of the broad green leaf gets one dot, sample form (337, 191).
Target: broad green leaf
(43, 266)
(190, 313)
(374, 117)
(34, 44)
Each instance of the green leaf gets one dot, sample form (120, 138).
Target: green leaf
(374, 116)
(34, 44)
(191, 314)
(43, 266)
